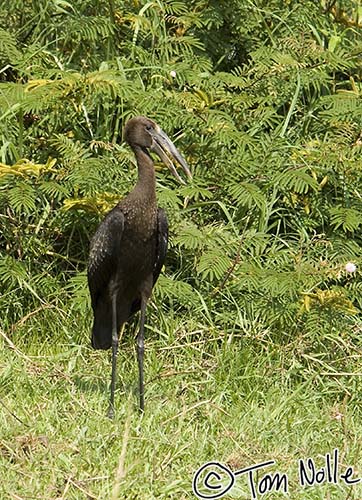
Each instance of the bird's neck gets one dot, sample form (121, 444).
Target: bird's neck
(146, 174)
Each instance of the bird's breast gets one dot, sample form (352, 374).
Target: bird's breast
(136, 262)
(140, 220)
(138, 245)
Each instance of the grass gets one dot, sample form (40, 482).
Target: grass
(238, 400)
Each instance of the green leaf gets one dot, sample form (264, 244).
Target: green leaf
(348, 218)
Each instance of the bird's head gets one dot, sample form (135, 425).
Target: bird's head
(145, 133)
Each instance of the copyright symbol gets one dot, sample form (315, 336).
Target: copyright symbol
(212, 480)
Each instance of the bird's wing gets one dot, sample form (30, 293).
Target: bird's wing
(162, 240)
(104, 249)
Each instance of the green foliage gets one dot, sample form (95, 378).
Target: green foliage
(254, 314)
(261, 97)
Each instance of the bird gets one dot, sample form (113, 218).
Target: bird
(129, 248)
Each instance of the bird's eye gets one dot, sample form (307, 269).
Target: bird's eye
(149, 127)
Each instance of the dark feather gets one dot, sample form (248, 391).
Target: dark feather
(104, 251)
(161, 250)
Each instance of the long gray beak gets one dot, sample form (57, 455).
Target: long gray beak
(164, 147)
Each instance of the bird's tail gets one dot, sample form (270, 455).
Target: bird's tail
(102, 327)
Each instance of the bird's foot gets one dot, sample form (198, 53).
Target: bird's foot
(110, 413)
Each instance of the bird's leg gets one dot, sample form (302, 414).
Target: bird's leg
(114, 353)
(140, 352)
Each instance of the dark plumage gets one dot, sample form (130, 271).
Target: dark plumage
(129, 247)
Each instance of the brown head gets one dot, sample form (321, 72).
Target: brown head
(145, 133)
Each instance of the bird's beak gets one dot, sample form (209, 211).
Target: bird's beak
(164, 148)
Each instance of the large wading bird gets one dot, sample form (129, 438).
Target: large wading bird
(129, 248)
